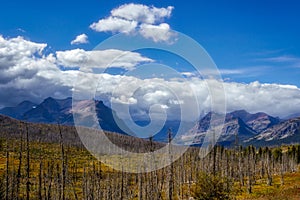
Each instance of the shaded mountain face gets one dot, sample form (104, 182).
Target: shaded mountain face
(18, 111)
(236, 129)
(107, 118)
(51, 111)
(258, 122)
(54, 111)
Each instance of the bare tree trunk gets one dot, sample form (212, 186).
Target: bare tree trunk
(182, 175)
(140, 180)
(171, 167)
(227, 169)
(7, 171)
(27, 165)
(49, 177)
(214, 153)
(84, 184)
(73, 179)
(240, 156)
(249, 173)
(40, 180)
(122, 184)
(99, 184)
(269, 173)
(63, 167)
(13, 176)
(20, 164)
(161, 185)
(282, 170)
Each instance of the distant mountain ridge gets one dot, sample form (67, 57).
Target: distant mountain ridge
(239, 126)
(287, 131)
(18, 111)
(258, 121)
(243, 128)
(53, 111)
(232, 127)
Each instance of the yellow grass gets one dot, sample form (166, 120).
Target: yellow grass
(289, 191)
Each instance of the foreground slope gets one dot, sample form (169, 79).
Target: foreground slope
(50, 133)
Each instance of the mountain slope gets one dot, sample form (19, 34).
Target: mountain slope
(239, 126)
(53, 111)
(286, 132)
(242, 126)
(258, 122)
(106, 117)
(233, 129)
(18, 111)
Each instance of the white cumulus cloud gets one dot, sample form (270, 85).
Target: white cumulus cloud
(80, 39)
(137, 18)
(100, 59)
(157, 33)
(115, 25)
(142, 13)
(26, 73)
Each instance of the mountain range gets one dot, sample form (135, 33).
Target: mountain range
(54, 111)
(240, 126)
(243, 128)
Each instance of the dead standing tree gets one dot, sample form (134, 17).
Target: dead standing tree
(20, 163)
(63, 166)
(27, 164)
(171, 167)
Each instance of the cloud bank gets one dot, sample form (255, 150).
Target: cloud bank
(27, 73)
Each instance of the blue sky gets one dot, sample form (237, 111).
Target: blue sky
(255, 45)
(250, 40)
